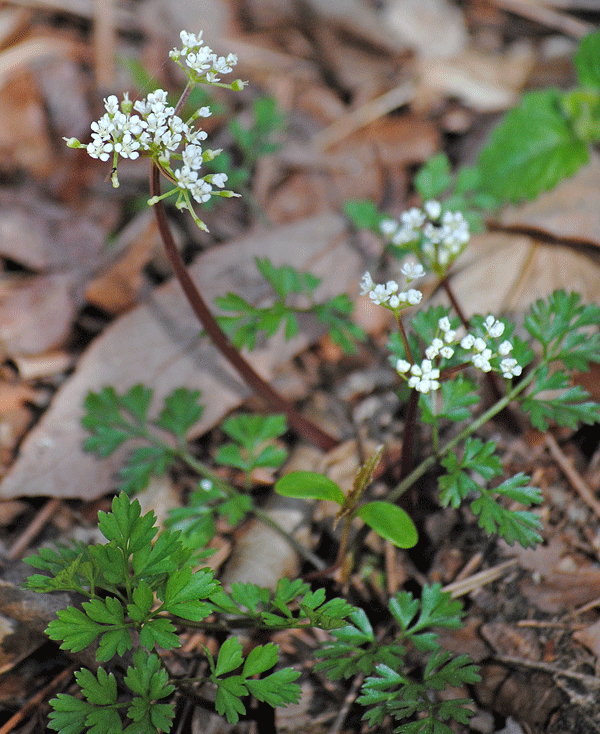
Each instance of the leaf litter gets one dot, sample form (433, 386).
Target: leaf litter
(158, 343)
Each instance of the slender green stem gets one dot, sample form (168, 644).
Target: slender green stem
(425, 465)
(261, 515)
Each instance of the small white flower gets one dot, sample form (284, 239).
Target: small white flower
(413, 218)
(379, 294)
(394, 302)
(510, 368)
(219, 179)
(446, 352)
(206, 485)
(366, 283)
(433, 209)
(479, 344)
(392, 287)
(493, 327)
(413, 271)
(444, 323)
(402, 366)
(467, 341)
(414, 297)
(505, 348)
(388, 227)
(449, 336)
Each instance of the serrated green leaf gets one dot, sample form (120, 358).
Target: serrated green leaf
(74, 628)
(277, 689)
(137, 401)
(391, 522)
(309, 485)
(101, 690)
(230, 656)
(185, 590)
(457, 395)
(587, 60)
(229, 692)
(141, 465)
(363, 214)
(70, 716)
(147, 677)
(161, 632)
(125, 526)
(531, 150)
(181, 411)
(434, 177)
(260, 659)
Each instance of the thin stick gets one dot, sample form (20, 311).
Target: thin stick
(572, 475)
(34, 702)
(31, 531)
(275, 401)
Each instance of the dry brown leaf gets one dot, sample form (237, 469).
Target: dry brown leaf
(590, 637)
(482, 82)
(35, 313)
(435, 28)
(117, 290)
(506, 273)
(42, 235)
(159, 344)
(570, 210)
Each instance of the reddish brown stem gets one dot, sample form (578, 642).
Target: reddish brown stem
(274, 400)
(408, 438)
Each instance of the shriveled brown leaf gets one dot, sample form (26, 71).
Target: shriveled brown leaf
(159, 344)
(502, 272)
(35, 313)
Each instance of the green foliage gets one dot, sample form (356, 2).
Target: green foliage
(567, 331)
(245, 323)
(276, 689)
(587, 61)
(391, 693)
(256, 140)
(309, 485)
(113, 419)
(251, 434)
(515, 526)
(389, 521)
(458, 395)
(461, 191)
(354, 649)
(196, 521)
(141, 583)
(292, 604)
(532, 149)
(364, 214)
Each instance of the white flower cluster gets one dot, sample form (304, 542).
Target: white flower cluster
(440, 238)
(481, 354)
(202, 64)
(160, 133)
(389, 295)
(424, 377)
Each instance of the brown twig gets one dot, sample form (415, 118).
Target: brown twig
(34, 702)
(572, 475)
(31, 531)
(304, 427)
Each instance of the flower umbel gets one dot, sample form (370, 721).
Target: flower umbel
(151, 127)
(436, 238)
